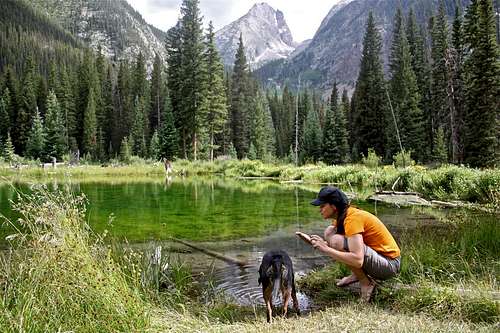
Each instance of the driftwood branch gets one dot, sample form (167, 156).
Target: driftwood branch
(398, 193)
(214, 254)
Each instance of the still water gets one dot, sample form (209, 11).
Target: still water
(240, 219)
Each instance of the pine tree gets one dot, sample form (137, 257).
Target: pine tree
(122, 116)
(215, 103)
(101, 145)
(125, 153)
(193, 85)
(312, 148)
(26, 108)
(440, 78)
(421, 68)
(68, 108)
(55, 130)
(404, 98)
(456, 88)
(239, 99)
(35, 144)
(346, 108)
(482, 86)
(341, 151)
(440, 150)
(370, 95)
(157, 94)
(154, 147)
(263, 131)
(108, 110)
(89, 143)
(137, 133)
(168, 134)
(5, 102)
(8, 150)
(330, 154)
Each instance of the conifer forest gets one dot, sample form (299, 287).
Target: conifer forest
(437, 101)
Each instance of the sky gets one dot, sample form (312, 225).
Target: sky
(303, 17)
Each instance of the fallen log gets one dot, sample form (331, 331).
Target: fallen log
(398, 193)
(444, 204)
(399, 199)
(214, 254)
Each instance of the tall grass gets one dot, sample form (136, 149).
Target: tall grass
(447, 182)
(59, 277)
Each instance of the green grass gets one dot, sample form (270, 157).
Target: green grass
(59, 277)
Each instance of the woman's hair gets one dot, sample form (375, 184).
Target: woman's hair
(341, 214)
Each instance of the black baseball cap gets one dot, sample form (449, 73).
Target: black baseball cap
(331, 195)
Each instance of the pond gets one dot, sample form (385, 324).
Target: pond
(240, 219)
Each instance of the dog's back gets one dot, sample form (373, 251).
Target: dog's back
(276, 273)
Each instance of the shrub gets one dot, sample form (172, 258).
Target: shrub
(372, 160)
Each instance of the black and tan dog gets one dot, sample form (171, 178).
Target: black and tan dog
(276, 273)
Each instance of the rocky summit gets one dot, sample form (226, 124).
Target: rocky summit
(112, 25)
(265, 34)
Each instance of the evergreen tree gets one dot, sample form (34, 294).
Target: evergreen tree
(215, 102)
(68, 108)
(101, 145)
(239, 98)
(154, 147)
(312, 148)
(55, 130)
(456, 88)
(440, 78)
(404, 98)
(192, 86)
(35, 144)
(346, 108)
(5, 102)
(89, 143)
(263, 131)
(370, 95)
(108, 110)
(139, 137)
(125, 153)
(157, 94)
(168, 134)
(421, 68)
(26, 108)
(341, 150)
(440, 150)
(482, 86)
(330, 153)
(8, 150)
(122, 116)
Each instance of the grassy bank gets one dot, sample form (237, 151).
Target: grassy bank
(59, 276)
(443, 183)
(448, 274)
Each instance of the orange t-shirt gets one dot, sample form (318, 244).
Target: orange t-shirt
(374, 232)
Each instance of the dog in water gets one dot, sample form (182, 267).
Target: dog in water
(276, 273)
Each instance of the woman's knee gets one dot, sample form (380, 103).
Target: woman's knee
(336, 241)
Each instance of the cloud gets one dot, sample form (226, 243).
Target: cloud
(162, 4)
(303, 19)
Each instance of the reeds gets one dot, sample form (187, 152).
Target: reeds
(58, 276)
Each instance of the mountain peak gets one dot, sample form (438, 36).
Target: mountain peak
(266, 36)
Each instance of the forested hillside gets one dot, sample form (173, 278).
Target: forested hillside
(439, 102)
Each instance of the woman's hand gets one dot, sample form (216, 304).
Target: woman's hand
(319, 243)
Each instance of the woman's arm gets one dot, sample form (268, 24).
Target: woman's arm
(353, 258)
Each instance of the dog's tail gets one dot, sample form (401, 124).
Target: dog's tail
(277, 275)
